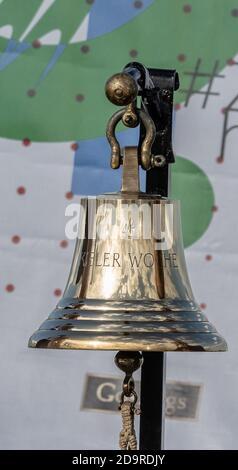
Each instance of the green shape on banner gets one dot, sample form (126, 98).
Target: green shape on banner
(18, 13)
(163, 35)
(61, 15)
(192, 187)
(65, 16)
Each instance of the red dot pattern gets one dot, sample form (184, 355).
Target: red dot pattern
(21, 190)
(10, 288)
(57, 292)
(234, 12)
(133, 53)
(36, 44)
(219, 159)
(26, 142)
(74, 146)
(203, 306)
(231, 62)
(187, 8)
(16, 239)
(79, 98)
(31, 93)
(69, 195)
(181, 57)
(64, 243)
(138, 4)
(214, 208)
(208, 257)
(85, 49)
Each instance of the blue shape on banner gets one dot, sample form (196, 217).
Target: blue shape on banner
(12, 51)
(56, 55)
(92, 173)
(105, 15)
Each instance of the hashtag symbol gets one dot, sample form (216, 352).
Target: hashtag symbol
(232, 107)
(197, 73)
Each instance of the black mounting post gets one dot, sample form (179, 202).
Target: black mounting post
(156, 87)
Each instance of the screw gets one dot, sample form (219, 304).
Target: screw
(158, 161)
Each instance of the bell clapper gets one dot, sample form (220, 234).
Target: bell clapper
(128, 362)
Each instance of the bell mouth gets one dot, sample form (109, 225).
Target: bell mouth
(128, 329)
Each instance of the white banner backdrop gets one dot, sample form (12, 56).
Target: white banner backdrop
(41, 391)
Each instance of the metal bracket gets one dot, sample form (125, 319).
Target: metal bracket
(156, 88)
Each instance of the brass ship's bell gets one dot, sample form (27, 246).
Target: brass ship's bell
(128, 288)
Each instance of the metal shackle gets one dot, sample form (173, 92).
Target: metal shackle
(145, 154)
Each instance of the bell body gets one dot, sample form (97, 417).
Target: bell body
(128, 287)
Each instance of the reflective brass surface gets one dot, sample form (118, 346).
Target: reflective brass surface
(146, 159)
(121, 89)
(128, 288)
(125, 294)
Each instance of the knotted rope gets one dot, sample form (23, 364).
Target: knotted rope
(127, 439)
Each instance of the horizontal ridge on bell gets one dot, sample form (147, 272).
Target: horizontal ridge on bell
(151, 330)
(134, 341)
(170, 330)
